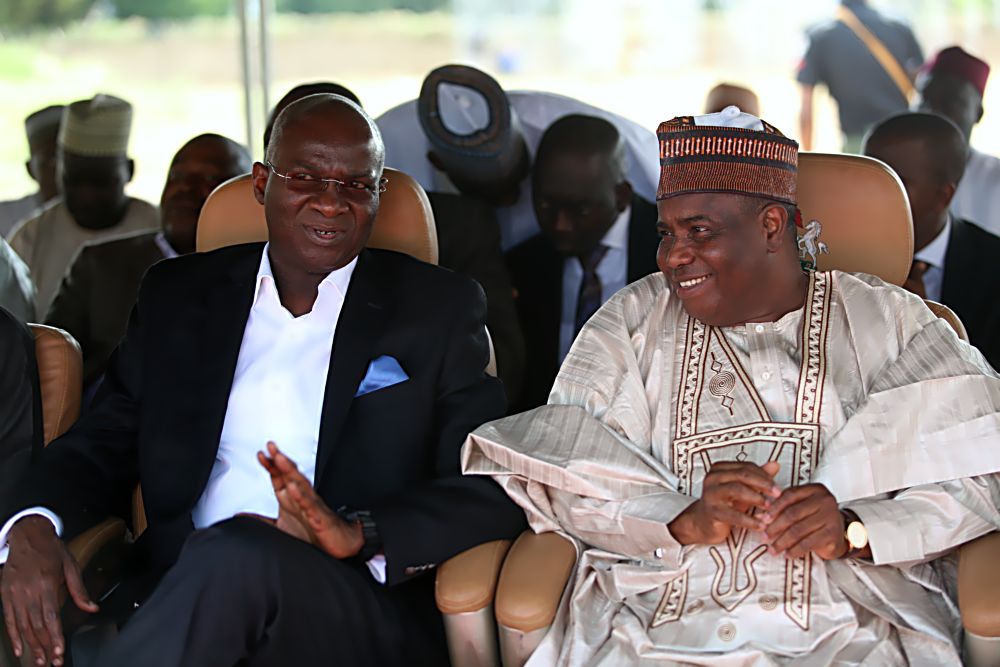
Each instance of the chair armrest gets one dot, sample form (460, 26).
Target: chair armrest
(468, 581)
(87, 544)
(532, 581)
(979, 585)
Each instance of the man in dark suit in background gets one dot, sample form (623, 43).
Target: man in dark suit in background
(954, 260)
(597, 236)
(98, 292)
(365, 367)
(468, 243)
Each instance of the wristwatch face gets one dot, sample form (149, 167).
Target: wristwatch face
(857, 535)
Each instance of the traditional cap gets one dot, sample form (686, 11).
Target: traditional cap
(43, 123)
(726, 152)
(469, 122)
(98, 127)
(955, 60)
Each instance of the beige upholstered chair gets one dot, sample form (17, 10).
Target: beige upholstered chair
(864, 219)
(405, 223)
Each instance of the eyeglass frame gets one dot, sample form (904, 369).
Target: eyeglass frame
(341, 185)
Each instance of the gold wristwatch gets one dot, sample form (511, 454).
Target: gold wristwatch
(855, 533)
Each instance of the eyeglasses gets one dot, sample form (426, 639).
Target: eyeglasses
(306, 183)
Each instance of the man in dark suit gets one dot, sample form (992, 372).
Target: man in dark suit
(98, 292)
(468, 242)
(954, 260)
(365, 367)
(597, 236)
(20, 408)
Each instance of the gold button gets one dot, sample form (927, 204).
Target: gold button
(727, 632)
(768, 602)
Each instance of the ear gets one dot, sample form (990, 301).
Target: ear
(979, 116)
(774, 221)
(130, 169)
(623, 195)
(945, 194)
(27, 168)
(258, 179)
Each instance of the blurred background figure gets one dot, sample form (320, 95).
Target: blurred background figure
(42, 130)
(597, 236)
(304, 90)
(93, 168)
(731, 95)
(101, 286)
(17, 292)
(867, 62)
(466, 134)
(952, 84)
(954, 260)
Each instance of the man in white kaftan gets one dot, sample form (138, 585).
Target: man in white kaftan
(860, 393)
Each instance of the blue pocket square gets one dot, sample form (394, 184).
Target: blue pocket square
(382, 372)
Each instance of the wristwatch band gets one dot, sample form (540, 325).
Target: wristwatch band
(373, 542)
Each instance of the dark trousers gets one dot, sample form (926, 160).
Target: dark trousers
(245, 593)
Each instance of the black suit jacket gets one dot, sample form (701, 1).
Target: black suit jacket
(972, 285)
(537, 272)
(469, 243)
(21, 430)
(159, 414)
(97, 295)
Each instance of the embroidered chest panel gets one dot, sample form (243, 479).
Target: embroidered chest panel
(721, 417)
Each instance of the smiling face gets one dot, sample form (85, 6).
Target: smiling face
(313, 233)
(726, 257)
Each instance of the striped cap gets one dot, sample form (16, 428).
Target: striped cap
(98, 127)
(726, 152)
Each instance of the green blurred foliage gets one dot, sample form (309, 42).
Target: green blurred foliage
(19, 15)
(171, 9)
(330, 6)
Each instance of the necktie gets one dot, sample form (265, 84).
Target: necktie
(589, 299)
(915, 281)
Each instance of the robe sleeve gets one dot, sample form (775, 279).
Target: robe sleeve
(924, 522)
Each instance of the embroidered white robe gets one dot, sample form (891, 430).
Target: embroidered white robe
(863, 390)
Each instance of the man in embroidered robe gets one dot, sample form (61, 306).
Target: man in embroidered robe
(718, 427)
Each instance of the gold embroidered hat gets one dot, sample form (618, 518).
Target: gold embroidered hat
(726, 152)
(98, 127)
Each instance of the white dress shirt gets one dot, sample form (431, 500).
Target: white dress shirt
(277, 394)
(977, 198)
(934, 254)
(612, 270)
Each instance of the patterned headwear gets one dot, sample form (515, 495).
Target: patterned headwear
(726, 152)
(954, 60)
(98, 127)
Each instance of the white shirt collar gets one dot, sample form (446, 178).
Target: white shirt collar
(617, 236)
(934, 252)
(338, 280)
(164, 245)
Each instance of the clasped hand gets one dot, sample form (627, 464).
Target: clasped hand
(794, 521)
(302, 513)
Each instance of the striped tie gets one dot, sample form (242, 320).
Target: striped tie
(589, 299)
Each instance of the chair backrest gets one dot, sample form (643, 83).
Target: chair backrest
(949, 316)
(60, 379)
(855, 216)
(405, 223)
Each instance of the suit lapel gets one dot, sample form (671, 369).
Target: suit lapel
(227, 309)
(362, 319)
